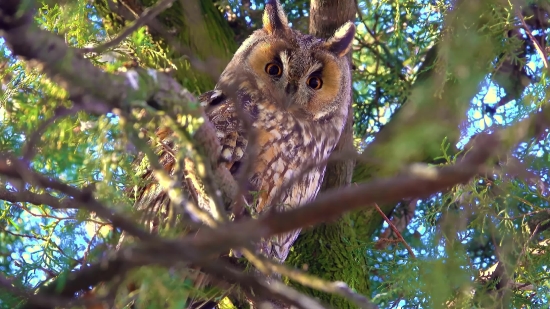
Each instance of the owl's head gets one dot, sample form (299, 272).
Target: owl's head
(303, 74)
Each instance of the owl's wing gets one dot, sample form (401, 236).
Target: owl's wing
(153, 202)
(222, 113)
(150, 199)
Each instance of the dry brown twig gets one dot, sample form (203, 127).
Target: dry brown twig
(395, 230)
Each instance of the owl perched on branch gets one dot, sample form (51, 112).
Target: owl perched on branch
(296, 98)
(279, 109)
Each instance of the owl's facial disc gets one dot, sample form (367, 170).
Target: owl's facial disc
(296, 78)
(299, 73)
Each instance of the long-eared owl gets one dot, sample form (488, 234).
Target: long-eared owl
(293, 91)
(295, 94)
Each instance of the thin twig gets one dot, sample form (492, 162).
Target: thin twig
(210, 66)
(14, 168)
(395, 230)
(540, 50)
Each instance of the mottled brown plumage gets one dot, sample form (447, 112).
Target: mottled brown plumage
(295, 90)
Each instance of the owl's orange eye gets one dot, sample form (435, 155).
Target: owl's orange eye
(314, 82)
(273, 69)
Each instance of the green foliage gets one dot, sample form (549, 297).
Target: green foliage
(392, 40)
(454, 235)
(201, 31)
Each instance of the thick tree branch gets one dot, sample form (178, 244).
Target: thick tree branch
(135, 256)
(418, 182)
(37, 199)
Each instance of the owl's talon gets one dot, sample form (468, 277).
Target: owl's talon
(240, 147)
(238, 154)
(227, 154)
(232, 147)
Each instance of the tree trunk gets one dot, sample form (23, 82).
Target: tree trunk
(331, 250)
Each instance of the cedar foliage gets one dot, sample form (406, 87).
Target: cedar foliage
(454, 235)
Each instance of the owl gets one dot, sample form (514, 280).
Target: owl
(279, 109)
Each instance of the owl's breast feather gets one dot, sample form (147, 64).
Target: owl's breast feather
(285, 151)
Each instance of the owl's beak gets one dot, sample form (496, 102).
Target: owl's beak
(290, 90)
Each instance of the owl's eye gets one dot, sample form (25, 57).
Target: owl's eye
(314, 82)
(273, 69)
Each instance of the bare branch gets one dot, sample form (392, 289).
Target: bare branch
(395, 230)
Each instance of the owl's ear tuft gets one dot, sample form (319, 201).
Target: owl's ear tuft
(340, 43)
(274, 17)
